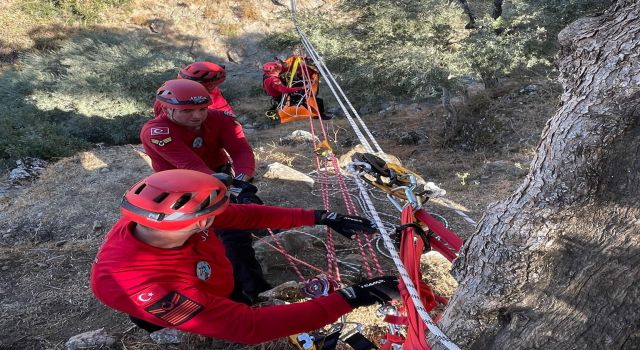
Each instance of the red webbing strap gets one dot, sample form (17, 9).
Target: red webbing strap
(391, 339)
(438, 228)
(410, 251)
(447, 243)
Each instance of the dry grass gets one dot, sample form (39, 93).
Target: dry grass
(273, 153)
(248, 11)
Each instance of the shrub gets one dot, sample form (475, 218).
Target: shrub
(411, 49)
(96, 88)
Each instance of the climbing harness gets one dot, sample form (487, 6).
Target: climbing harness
(298, 105)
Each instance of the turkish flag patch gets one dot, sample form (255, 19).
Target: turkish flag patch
(174, 308)
(160, 131)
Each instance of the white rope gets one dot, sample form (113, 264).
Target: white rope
(332, 84)
(413, 293)
(330, 81)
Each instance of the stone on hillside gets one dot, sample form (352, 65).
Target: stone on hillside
(282, 172)
(167, 336)
(97, 338)
(433, 190)
(410, 138)
(299, 137)
(26, 169)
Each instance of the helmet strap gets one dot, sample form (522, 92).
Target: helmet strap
(169, 112)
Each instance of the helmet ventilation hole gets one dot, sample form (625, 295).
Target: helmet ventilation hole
(161, 197)
(181, 201)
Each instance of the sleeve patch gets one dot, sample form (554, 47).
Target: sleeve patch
(174, 308)
(161, 142)
(147, 295)
(160, 131)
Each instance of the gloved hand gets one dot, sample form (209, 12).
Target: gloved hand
(346, 225)
(369, 292)
(244, 192)
(225, 178)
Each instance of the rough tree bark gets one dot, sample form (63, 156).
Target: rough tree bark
(557, 264)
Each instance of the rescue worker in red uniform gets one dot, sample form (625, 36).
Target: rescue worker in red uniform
(185, 134)
(161, 264)
(272, 82)
(210, 75)
(273, 86)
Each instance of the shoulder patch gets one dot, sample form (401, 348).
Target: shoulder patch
(175, 308)
(147, 295)
(161, 130)
(161, 142)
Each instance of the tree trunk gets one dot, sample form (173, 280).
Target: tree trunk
(467, 10)
(497, 9)
(451, 119)
(557, 264)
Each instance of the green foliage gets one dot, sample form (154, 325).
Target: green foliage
(97, 88)
(393, 49)
(84, 11)
(409, 49)
(281, 41)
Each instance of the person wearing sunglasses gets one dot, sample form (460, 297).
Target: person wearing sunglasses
(161, 265)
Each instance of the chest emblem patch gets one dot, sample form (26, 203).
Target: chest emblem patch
(161, 142)
(203, 270)
(197, 142)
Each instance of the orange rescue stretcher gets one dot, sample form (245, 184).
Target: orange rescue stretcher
(291, 107)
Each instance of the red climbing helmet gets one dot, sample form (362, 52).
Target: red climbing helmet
(183, 94)
(272, 67)
(206, 73)
(174, 199)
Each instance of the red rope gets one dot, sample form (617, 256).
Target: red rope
(332, 259)
(288, 256)
(410, 251)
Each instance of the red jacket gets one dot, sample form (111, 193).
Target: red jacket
(172, 146)
(273, 87)
(187, 287)
(218, 102)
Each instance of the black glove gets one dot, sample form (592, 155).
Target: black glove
(346, 225)
(244, 192)
(226, 179)
(369, 292)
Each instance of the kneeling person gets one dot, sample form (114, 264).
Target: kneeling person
(162, 265)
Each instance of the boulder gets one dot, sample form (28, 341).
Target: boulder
(97, 338)
(282, 172)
